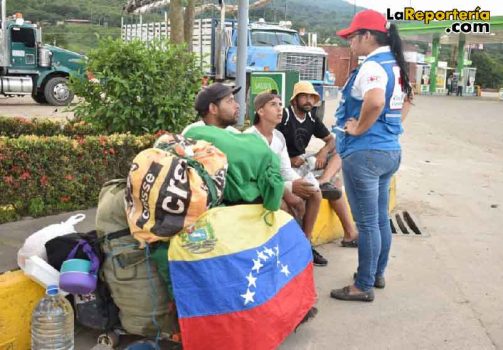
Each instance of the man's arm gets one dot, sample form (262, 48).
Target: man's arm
(373, 104)
(297, 161)
(322, 155)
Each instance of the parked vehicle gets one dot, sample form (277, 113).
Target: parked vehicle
(271, 47)
(29, 67)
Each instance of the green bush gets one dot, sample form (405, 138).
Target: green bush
(45, 175)
(140, 88)
(15, 127)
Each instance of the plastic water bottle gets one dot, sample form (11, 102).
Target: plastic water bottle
(52, 322)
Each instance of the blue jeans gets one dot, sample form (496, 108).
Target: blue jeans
(367, 176)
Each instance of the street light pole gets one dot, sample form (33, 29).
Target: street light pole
(242, 55)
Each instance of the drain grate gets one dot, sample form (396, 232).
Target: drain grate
(404, 223)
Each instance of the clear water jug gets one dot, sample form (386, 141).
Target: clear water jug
(52, 322)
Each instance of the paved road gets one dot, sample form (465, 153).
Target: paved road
(27, 108)
(445, 289)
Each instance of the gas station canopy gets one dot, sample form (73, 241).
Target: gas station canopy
(436, 34)
(419, 31)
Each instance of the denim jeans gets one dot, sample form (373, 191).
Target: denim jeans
(367, 176)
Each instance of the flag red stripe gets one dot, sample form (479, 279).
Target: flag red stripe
(263, 327)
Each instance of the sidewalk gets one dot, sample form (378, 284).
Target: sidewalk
(13, 234)
(424, 305)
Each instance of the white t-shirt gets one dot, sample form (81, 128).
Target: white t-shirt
(370, 76)
(278, 146)
(202, 123)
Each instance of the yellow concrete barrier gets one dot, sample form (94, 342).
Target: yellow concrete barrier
(392, 194)
(18, 297)
(328, 227)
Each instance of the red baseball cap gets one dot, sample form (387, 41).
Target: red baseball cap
(366, 19)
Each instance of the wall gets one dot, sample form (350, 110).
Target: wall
(341, 62)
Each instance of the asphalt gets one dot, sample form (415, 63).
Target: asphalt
(444, 288)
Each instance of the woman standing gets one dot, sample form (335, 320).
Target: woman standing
(375, 101)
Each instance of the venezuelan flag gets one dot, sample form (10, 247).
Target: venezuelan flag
(241, 279)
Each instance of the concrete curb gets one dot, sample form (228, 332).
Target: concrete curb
(18, 297)
(328, 226)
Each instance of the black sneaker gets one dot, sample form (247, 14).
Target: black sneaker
(330, 192)
(318, 259)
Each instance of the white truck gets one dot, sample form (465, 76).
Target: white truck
(271, 47)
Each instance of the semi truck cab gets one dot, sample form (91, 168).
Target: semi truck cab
(278, 48)
(28, 67)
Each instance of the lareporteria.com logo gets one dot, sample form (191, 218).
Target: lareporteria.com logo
(475, 21)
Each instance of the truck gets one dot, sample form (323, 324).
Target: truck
(271, 47)
(29, 67)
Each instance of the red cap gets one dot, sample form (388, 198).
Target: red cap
(366, 19)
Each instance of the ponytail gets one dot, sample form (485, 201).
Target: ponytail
(395, 44)
(392, 38)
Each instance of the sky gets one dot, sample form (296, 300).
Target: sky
(495, 6)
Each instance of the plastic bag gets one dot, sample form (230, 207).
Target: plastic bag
(35, 244)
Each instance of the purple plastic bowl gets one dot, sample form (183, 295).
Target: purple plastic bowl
(77, 282)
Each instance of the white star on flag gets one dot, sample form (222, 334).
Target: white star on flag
(248, 296)
(262, 256)
(251, 280)
(277, 250)
(285, 270)
(257, 265)
(269, 251)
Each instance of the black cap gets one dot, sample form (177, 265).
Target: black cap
(212, 94)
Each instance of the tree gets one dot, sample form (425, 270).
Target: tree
(182, 21)
(188, 23)
(489, 69)
(176, 22)
(139, 88)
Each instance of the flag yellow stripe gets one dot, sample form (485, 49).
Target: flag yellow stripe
(234, 228)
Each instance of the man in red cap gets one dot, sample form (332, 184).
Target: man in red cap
(374, 102)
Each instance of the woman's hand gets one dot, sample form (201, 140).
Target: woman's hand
(351, 127)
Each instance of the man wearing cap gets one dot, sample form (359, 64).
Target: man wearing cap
(298, 126)
(268, 113)
(216, 106)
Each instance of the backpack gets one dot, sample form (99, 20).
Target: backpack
(135, 284)
(95, 310)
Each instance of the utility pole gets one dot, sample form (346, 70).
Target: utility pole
(242, 55)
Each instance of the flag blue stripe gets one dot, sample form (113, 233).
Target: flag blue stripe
(220, 285)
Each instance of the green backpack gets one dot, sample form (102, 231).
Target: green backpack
(133, 278)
